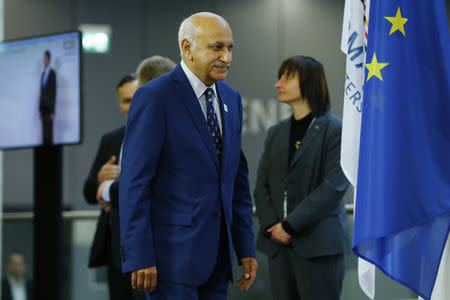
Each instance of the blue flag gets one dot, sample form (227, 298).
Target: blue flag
(402, 213)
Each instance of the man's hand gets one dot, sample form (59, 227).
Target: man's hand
(108, 171)
(249, 273)
(106, 205)
(144, 279)
(279, 235)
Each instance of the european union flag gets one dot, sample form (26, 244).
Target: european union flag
(402, 214)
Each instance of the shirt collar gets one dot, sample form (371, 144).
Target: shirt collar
(306, 120)
(197, 85)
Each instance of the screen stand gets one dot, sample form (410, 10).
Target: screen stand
(47, 235)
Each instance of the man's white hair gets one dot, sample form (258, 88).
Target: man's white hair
(187, 32)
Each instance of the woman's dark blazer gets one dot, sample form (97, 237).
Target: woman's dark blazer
(315, 186)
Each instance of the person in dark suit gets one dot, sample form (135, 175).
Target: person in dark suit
(104, 188)
(184, 193)
(47, 100)
(108, 191)
(299, 190)
(16, 286)
(105, 247)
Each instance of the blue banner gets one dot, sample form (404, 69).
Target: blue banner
(402, 213)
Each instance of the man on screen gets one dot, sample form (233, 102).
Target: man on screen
(47, 100)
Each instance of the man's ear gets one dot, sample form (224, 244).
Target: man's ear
(186, 48)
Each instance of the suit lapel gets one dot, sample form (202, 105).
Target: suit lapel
(186, 94)
(283, 142)
(117, 143)
(310, 135)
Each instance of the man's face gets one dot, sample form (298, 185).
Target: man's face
(289, 88)
(125, 94)
(16, 266)
(210, 59)
(46, 61)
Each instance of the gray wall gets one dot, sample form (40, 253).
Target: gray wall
(265, 32)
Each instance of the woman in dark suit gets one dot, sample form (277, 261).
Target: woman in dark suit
(300, 188)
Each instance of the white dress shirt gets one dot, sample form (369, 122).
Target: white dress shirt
(199, 89)
(105, 193)
(45, 77)
(18, 289)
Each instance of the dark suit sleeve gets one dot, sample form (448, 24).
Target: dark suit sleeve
(41, 98)
(114, 194)
(30, 290)
(264, 207)
(6, 290)
(242, 224)
(91, 183)
(52, 91)
(327, 196)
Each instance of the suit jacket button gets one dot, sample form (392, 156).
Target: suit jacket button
(216, 214)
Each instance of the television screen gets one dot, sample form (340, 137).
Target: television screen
(40, 97)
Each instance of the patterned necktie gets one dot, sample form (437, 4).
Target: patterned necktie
(211, 119)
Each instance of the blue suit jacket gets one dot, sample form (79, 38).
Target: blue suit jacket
(172, 187)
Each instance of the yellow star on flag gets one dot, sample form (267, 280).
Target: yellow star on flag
(374, 68)
(397, 22)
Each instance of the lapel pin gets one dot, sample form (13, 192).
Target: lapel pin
(225, 107)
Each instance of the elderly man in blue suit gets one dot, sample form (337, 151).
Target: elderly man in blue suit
(185, 202)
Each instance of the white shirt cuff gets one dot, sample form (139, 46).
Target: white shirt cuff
(105, 192)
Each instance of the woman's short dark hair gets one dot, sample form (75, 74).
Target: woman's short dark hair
(313, 84)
